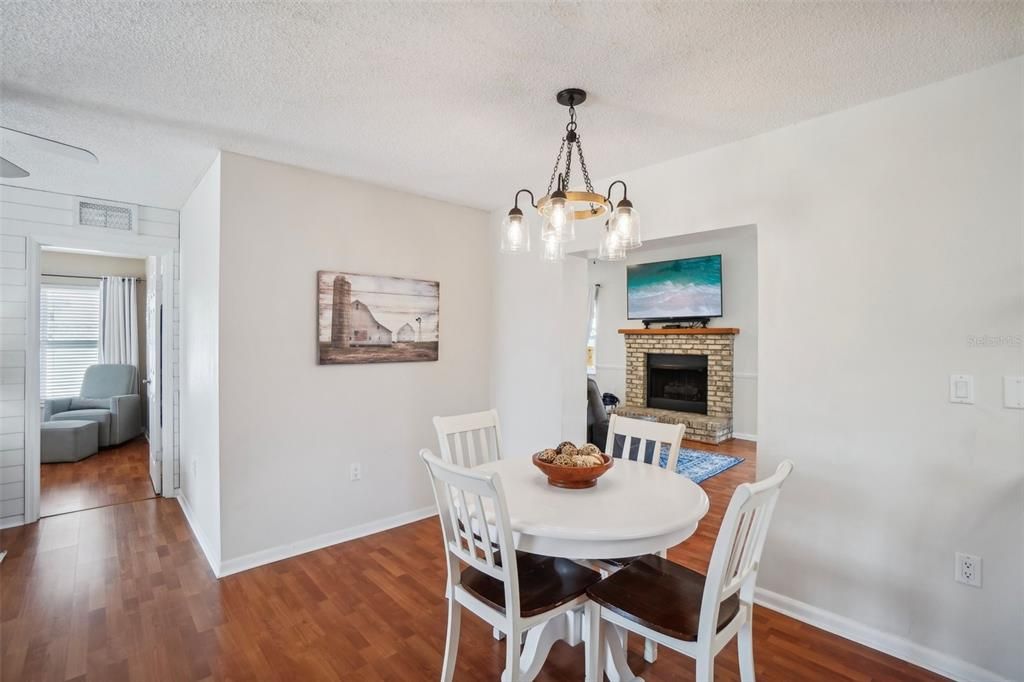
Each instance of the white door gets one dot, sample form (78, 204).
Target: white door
(154, 329)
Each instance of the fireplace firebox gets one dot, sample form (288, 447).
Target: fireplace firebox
(677, 382)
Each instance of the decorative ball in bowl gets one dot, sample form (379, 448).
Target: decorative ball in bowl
(568, 466)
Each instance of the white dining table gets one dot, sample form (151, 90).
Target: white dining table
(634, 509)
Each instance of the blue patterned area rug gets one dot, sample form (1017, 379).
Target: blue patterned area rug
(700, 465)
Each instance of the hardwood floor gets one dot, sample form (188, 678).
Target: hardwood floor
(111, 476)
(123, 593)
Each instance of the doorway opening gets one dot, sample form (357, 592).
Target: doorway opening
(100, 358)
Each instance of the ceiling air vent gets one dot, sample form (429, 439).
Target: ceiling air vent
(111, 217)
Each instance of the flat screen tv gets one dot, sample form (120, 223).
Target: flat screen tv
(675, 289)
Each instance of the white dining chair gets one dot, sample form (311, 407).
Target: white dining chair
(640, 435)
(684, 610)
(469, 439)
(514, 592)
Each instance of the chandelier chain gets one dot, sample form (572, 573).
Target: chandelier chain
(554, 170)
(568, 167)
(583, 164)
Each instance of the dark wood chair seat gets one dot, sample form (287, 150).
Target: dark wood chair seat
(624, 561)
(544, 583)
(660, 595)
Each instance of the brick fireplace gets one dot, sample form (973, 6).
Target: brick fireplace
(681, 376)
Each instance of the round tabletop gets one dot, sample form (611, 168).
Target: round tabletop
(634, 509)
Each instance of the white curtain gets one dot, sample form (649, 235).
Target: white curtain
(119, 321)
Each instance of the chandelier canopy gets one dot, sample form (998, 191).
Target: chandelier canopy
(561, 207)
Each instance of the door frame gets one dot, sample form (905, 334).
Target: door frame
(130, 247)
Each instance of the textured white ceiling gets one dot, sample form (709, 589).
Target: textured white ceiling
(454, 101)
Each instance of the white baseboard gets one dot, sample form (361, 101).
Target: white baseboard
(204, 544)
(267, 556)
(904, 649)
(745, 436)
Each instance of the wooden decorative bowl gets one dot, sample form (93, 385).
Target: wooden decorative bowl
(573, 478)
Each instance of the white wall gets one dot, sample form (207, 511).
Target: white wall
(888, 236)
(539, 338)
(200, 330)
(738, 247)
(289, 428)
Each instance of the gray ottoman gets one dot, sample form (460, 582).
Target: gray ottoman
(101, 417)
(68, 440)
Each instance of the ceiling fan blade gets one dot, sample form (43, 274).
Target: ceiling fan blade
(11, 170)
(53, 146)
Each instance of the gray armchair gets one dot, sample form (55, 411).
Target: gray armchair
(108, 397)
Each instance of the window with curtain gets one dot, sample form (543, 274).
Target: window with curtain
(69, 337)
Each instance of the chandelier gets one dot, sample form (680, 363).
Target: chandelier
(561, 206)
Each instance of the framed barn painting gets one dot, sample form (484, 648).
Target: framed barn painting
(369, 318)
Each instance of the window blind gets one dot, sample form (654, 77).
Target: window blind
(69, 333)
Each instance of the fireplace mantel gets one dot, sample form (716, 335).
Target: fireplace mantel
(688, 330)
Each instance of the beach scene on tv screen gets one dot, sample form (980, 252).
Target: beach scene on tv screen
(689, 287)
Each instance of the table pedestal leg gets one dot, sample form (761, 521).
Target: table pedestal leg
(569, 627)
(615, 664)
(539, 641)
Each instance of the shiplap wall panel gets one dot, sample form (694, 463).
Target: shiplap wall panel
(13, 457)
(13, 323)
(14, 292)
(38, 214)
(12, 392)
(43, 214)
(12, 408)
(153, 229)
(12, 375)
(15, 326)
(12, 424)
(12, 358)
(12, 260)
(12, 508)
(12, 474)
(30, 197)
(12, 277)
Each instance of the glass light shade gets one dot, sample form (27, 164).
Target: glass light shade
(559, 221)
(553, 252)
(515, 234)
(611, 247)
(626, 223)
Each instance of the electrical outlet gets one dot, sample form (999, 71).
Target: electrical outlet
(968, 569)
(355, 472)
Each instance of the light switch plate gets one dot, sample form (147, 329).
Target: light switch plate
(961, 389)
(1013, 392)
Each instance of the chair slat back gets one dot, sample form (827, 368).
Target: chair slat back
(469, 439)
(645, 433)
(737, 554)
(472, 509)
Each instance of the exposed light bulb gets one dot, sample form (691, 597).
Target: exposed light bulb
(553, 251)
(559, 220)
(622, 225)
(515, 233)
(558, 214)
(626, 224)
(611, 245)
